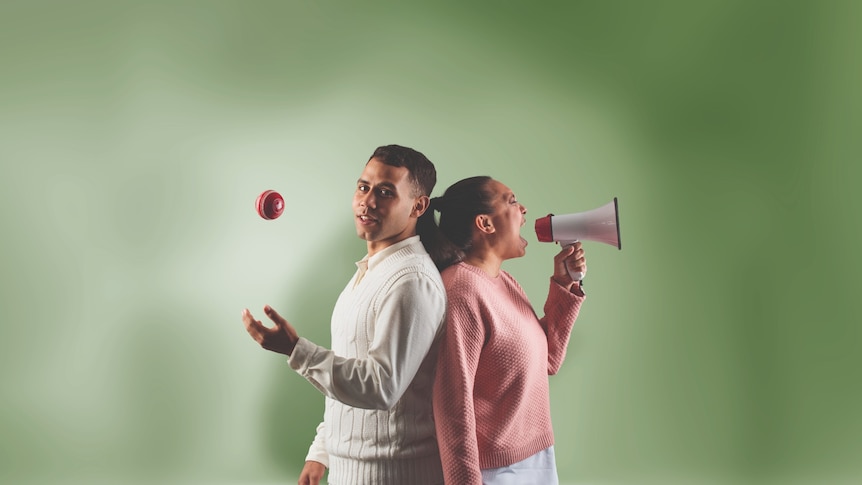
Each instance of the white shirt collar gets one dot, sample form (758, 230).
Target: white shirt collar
(367, 264)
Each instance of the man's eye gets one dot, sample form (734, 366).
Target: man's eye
(386, 193)
(362, 188)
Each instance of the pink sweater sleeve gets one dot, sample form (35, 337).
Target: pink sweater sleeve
(455, 418)
(561, 311)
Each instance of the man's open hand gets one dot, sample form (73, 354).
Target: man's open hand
(281, 339)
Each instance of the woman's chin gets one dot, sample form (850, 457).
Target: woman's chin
(523, 251)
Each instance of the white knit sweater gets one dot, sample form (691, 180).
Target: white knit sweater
(378, 425)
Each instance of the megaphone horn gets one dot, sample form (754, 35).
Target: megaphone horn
(601, 224)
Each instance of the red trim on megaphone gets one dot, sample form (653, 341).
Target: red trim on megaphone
(544, 230)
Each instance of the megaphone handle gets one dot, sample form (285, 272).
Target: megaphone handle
(575, 275)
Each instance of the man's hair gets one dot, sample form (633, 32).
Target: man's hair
(423, 175)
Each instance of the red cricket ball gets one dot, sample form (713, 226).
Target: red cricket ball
(269, 204)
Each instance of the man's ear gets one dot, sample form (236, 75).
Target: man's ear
(484, 224)
(420, 205)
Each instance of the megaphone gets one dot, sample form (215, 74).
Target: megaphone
(601, 224)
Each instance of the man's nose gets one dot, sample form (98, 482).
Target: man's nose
(368, 199)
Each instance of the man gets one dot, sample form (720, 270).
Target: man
(378, 425)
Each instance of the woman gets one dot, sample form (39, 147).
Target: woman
(491, 394)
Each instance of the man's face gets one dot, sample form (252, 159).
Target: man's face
(385, 207)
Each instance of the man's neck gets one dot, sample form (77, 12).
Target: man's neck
(375, 247)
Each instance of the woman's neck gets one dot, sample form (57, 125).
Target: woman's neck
(486, 262)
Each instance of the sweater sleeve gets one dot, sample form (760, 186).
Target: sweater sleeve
(561, 311)
(454, 414)
(408, 321)
(317, 450)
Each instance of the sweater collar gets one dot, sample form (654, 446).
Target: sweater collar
(375, 260)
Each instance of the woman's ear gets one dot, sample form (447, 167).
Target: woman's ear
(484, 224)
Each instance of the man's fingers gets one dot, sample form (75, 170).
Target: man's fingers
(254, 327)
(312, 473)
(248, 320)
(274, 316)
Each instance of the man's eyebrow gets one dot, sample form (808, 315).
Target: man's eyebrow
(386, 185)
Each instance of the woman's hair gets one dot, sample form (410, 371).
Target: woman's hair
(458, 208)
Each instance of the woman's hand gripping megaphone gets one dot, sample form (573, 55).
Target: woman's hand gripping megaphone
(570, 263)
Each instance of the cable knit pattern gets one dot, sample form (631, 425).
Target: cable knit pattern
(491, 393)
(378, 424)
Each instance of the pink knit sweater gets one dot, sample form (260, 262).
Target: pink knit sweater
(491, 395)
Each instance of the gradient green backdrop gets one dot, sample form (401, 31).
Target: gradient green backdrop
(721, 345)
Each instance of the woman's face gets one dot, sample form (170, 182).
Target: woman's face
(507, 220)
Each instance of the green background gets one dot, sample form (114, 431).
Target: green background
(721, 345)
